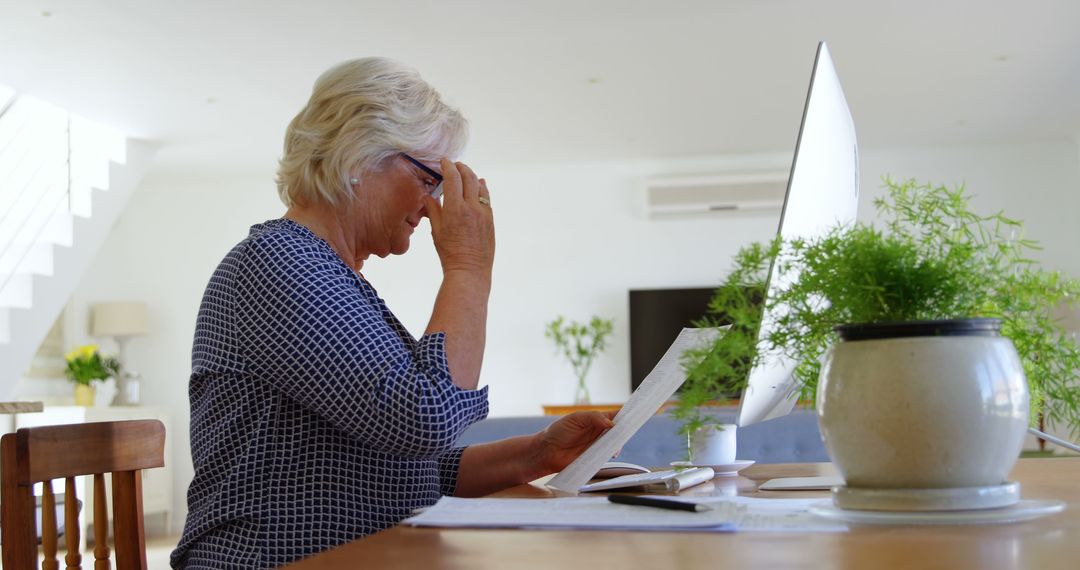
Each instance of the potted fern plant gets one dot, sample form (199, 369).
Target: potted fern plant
(886, 325)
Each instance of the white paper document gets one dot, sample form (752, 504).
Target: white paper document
(565, 512)
(741, 514)
(778, 515)
(653, 391)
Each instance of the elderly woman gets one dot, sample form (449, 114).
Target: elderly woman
(316, 418)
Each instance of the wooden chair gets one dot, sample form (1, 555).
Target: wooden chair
(41, 454)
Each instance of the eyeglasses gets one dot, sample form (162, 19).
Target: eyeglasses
(437, 191)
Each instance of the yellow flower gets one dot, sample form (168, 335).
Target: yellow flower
(84, 352)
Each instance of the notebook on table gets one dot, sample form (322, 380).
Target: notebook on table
(670, 480)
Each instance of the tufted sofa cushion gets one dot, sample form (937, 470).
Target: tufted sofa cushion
(794, 438)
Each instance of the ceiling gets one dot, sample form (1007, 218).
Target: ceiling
(215, 82)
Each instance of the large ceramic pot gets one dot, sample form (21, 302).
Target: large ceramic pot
(923, 405)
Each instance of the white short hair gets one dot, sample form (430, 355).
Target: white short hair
(362, 112)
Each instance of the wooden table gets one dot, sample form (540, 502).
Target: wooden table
(1047, 543)
(20, 407)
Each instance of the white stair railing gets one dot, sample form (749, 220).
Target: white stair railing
(33, 186)
(50, 161)
(52, 166)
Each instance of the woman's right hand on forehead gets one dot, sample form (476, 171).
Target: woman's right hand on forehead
(462, 227)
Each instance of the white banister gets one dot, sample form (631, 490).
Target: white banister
(53, 169)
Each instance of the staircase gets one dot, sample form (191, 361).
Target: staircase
(64, 181)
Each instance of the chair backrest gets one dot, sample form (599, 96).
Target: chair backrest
(41, 454)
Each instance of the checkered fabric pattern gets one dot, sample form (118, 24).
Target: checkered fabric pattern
(316, 418)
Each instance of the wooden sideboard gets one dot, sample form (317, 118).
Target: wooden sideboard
(563, 409)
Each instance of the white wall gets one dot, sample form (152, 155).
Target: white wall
(572, 239)
(1038, 183)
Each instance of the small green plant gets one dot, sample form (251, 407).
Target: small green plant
(580, 343)
(935, 259)
(85, 364)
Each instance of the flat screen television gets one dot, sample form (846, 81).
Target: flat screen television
(656, 317)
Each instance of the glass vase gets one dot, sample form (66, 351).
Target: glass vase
(581, 396)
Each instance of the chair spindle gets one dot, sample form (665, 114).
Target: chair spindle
(48, 527)
(101, 525)
(71, 525)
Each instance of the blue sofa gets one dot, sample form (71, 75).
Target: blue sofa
(794, 438)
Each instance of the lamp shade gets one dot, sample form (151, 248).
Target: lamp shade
(118, 319)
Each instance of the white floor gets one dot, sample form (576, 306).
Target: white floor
(158, 550)
(157, 553)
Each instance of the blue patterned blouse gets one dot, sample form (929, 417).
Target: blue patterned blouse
(316, 418)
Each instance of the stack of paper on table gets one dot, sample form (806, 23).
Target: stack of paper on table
(744, 514)
(565, 512)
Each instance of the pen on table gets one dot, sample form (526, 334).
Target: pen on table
(658, 503)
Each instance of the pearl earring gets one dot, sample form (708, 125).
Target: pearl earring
(354, 181)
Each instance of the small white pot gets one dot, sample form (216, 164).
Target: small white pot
(713, 445)
(919, 412)
(105, 392)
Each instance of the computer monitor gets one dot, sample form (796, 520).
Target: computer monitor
(822, 192)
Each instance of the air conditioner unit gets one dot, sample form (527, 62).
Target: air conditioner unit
(716, 194)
